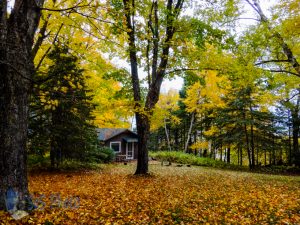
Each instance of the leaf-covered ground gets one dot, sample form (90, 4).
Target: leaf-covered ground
(173, 195)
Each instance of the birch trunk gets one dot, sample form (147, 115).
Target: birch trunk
(189, 133)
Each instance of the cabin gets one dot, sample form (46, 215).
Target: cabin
(123, 141)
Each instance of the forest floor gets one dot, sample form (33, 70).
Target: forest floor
(171, 195)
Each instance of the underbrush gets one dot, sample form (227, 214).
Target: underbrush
(39, 163)
(184, 158)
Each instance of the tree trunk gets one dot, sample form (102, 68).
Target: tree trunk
(247, 141)
(252, 137)
(167, 135)
(143, 128)
(16, 71)
(265, 152)
(290, 140)
(241, 156)
(228, 155)
(176, 139)
(189, 133)
(295, 132)
(252, 145)
(238, 154)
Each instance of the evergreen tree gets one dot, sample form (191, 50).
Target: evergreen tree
(61, 113)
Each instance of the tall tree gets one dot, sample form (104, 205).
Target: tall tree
(17, 30)
(150, 28)
(64, 109)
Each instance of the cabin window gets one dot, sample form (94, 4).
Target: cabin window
(116, 146)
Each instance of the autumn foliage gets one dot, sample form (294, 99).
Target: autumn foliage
(172, 195)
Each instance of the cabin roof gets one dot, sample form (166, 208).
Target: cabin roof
(107, 133)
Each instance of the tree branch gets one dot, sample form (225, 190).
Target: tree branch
(155, 42)
(253, 6)
(41, 37)
(286, 49)
(48, 50)
(284, 71)
(270, 61)
(98, 19)
(190, 69)
(66, 9)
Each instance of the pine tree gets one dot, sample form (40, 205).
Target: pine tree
(63, 110)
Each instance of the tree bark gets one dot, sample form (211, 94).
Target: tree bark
(290, 139)
(143, 129)
(228, 155)
(16, 71)
(167, 135)
(189, 132)
(252, 138)
(295, 132)
(247, 141)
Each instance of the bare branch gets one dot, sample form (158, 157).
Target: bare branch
(270, 61)
(48, 50)
(253, 6)
(284, 71)
(67, 9)
(98, 19)
(105, 38)
(41, 37)
(189, 69)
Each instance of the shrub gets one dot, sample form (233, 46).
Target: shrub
(184, 158)
(100, 155)
(107, 154)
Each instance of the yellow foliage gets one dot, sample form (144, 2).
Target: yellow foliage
(204, 97)
(200, 145)
(213, 130)
(167, 104)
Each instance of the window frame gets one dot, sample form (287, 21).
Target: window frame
(116, 142)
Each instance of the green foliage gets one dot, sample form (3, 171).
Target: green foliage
(206, 34)
(36, 161)
(42, 163)
(184, 158)
(101, 155)
(61, 110)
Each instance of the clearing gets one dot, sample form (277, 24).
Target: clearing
(173, 195)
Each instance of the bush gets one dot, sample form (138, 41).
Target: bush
(101, 155)
(184, 158)
(108, 154)
(38, 161)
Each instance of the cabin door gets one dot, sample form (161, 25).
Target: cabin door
(129, 150)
